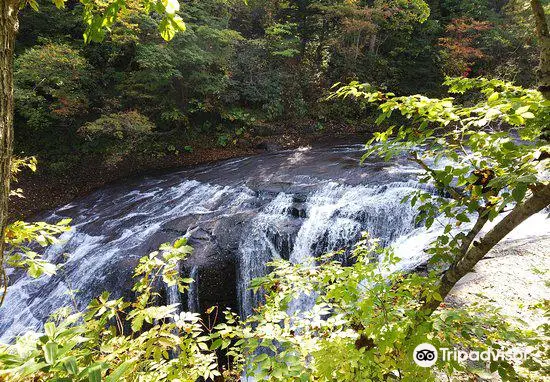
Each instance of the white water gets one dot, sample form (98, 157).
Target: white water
(193, 304)
(336, 216)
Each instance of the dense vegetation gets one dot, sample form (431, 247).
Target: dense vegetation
(239, 66)
(240, 69)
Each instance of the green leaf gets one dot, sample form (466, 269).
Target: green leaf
(50, 352)
(180, 242)
(120, 371)
(49, 329)
(522, 110)
(64, 222)
(137, 323)
(519, 192)
(216, 344)
(94, 373)
(34, 271)
(33, 4)
(59, 3)
(493, 97)
(462, 217)
(171, 6)
(71, 365)
(30, 367)
(516, 119)
(167, 31)
(429, 221)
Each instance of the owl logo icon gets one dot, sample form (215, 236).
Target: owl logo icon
(425, 355)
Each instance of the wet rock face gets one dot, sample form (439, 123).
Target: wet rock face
(215, 242)
(269, 146)
(218, 286)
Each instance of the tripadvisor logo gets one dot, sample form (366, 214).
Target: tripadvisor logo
(425, 355)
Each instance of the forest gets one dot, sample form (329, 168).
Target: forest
(274, 190)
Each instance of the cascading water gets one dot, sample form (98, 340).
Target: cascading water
(256, 247)
(238, 215)
(173, 295)
(193, 304)
(105, 243)
(334, 217)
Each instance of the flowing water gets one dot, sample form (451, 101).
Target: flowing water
(238, 215)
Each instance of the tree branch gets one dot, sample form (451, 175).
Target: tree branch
(482, 219)
(455, 193)
(475, 252)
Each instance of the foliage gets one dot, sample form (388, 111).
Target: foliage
(490, 39)
(357, 327)
(130, 125)
(466, 151)
(98, 344)
(271, 59)
(22, 239)
(51, 86)
(360, 323)
(458, 45)
(20, 254)
(17, 164)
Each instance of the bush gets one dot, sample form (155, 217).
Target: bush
(120, 132)
(51, 83)
(52, 87)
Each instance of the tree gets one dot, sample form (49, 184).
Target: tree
(52, 87)
(459, 50)
(489, 170)
(543, 33)
(98, 17)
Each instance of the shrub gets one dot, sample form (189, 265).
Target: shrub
(51, 86)
(130, 125)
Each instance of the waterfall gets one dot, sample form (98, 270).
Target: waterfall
(111, 231)
(256, 248)
(238, 215)
(193, 292)
(334, 217)
(173, 295)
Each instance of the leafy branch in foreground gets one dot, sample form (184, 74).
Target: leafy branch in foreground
(357, 328)
(21, 238)
(118, 340)
(486, 158)
(363, 324)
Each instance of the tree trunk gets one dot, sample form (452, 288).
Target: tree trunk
(478, 249)
(543, 35)
(473, 253)
(8, 29)
(372, 43)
